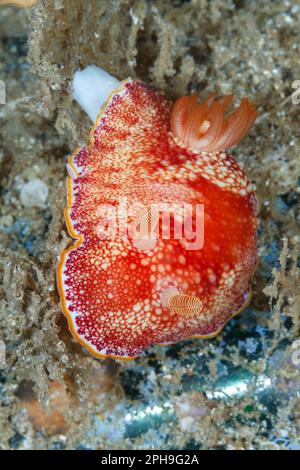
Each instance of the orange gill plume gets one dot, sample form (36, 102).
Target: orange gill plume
(207, 126)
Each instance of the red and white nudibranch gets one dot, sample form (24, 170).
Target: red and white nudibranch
(123, 294)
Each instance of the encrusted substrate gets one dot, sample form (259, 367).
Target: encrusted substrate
(240, 390)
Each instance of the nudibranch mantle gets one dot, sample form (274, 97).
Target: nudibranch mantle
(120, 298)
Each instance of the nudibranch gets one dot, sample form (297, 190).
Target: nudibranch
(132, 278)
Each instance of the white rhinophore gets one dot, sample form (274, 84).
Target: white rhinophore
(91, 87)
